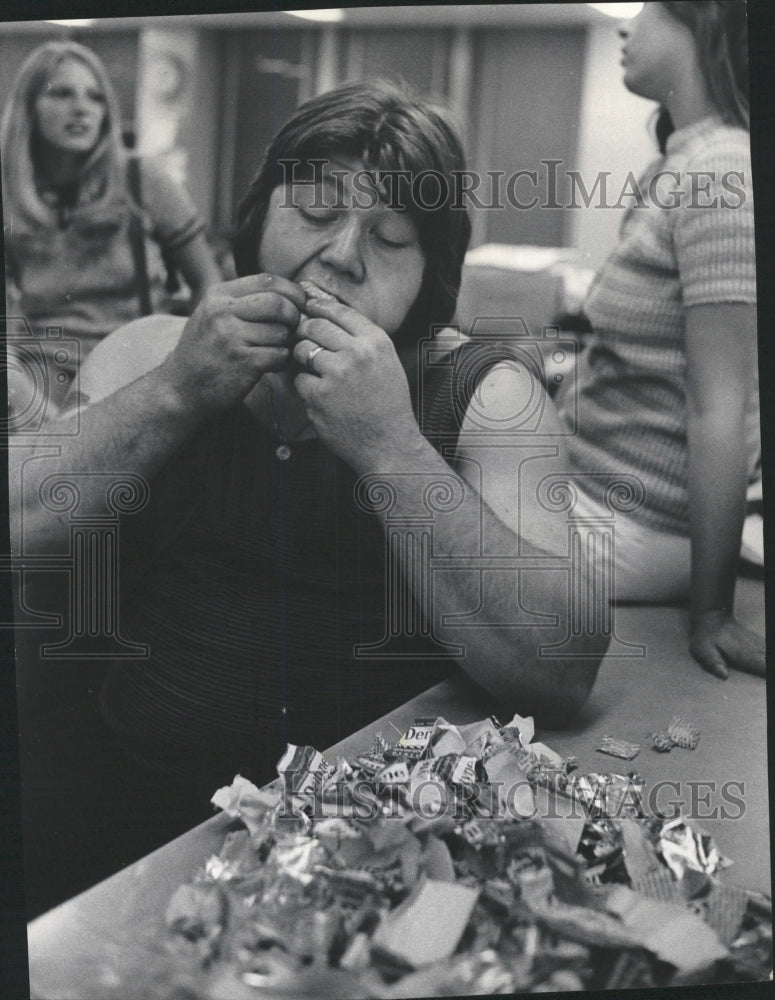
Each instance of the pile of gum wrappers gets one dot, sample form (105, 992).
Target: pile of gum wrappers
(458, 860)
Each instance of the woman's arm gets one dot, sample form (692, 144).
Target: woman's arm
(196, 263)
(721, 365)
(178, 228)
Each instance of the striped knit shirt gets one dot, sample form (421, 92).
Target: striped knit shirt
(690, 243)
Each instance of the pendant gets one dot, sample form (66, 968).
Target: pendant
(283, 452)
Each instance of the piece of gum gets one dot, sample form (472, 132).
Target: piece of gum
(313, 292)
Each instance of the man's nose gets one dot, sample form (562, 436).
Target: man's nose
(623, 29)
(344, 250)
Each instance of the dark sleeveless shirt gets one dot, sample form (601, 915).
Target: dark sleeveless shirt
(252, 581)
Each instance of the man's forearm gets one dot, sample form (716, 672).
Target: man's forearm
(501, 652)
(134, 431)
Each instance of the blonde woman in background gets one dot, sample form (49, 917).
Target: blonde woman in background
(83, 220)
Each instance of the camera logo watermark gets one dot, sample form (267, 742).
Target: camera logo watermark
(37, 369)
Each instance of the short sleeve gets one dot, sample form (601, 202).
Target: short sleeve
(714, 228)
(173, 217)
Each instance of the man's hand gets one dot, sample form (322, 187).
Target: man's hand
(239, 331)
(355, 390)
(719, 642)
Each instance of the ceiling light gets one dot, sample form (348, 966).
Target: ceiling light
(82, 22)
(623, 11)
(329, 14)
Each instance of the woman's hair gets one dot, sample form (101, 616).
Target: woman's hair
(720, 31)
(104, 170)
(387, 129)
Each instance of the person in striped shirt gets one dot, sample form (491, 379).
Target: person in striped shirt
(667, 388)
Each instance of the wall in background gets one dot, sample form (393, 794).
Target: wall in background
(14, 49)
(274, 73)
(119, 51)
(418, 57)
(525, 111)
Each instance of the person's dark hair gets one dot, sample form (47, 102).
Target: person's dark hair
(389, 130)
(720, 31)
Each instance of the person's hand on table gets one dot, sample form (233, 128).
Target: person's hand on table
(719, 642)
(240, 330)
(354, 388)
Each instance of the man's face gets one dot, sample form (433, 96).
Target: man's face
(347, 242)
